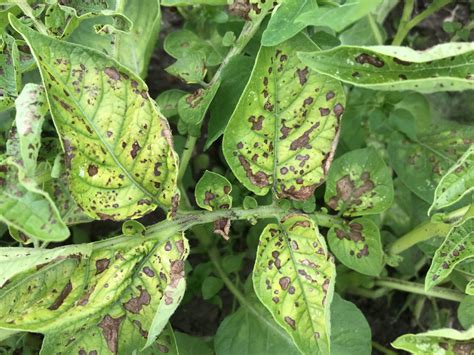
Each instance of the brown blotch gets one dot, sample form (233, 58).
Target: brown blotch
(402, 62)
(156, 169)
(259, 179)
(308, 101)
(257, 123)
(291, 322)
(284, 282)
(208, 197)
(92, 170)
(338, 110)
(110, 330)
(135, 148)
(112, 73)
(303, 140)
(101, 265)
(135, 304)
(330, 95)
(365, 58)
(222, 227)
(302, 75)
(303, 193)
(148, 272)
(324, 111)
(62, 296)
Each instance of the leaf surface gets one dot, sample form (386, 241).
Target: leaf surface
(118, 146)
(284, 130)
(447, 67)
(9, 78)
(213, 191)
(294, 278)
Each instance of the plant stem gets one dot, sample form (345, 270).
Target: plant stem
(413, 287)
(382, 349)
(406, 24)
(186, 156)
(28, 11)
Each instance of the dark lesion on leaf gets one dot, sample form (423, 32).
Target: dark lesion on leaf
(259, 178)
(110, 330)
(348, 194)
(61, 297)
(135, 304)
(373, 60)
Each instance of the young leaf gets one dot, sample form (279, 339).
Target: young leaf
(111, 297)
(359, 183)
(458, 246)
(118, 146)
(441, 341)
(283, 132)
(466, 312)
(192, 345)
(456, 183)
(358, 246)
(213, 192)
(168, 101)
(190, 69)
(470, 288)
(283, 25)
(193, 107)
(446, 67)
(421, 163)
(31, 108)
(294, 278)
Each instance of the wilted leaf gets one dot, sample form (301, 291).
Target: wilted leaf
(103, 296)
(358, 246)
(359, 183)
(440, 341)
(294, 278)
(446, 67)
(118, 147)
(456, 183)
(458, 246)
(213, 191)
(283, 132)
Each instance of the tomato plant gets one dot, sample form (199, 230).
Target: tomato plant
(293, 160)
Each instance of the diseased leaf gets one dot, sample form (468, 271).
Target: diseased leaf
(31, 108)
(193, 107)
(456, 183)
(104, 296)
(421, 163)
(458, 246)
(359, 183)
(284, 130)
(9, 76)
(358, 246)
(118, 146)
(446, 67)
(441, 341)
(337, 17)
(294, 278)
(190, 69)
(283, 24)
(213, 192)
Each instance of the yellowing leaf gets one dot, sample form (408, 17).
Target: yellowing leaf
(294, 278)
(118, 146)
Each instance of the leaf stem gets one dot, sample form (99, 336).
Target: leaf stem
(186, 156)
(406, 24)
(375, 29)
(413, 287)
(28, 11)
(382, 349)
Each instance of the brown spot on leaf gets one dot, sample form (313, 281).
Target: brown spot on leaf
(62, 296)
(148, 272)
(284, 282)
(302, 75)
(222, 227)
(101, 265)
(110, 330)
(135, 148)
(259, 178)
(112, 73)
(324, 111)
(291, 322)
(303, 140)
(92, 170)
(330, 95)
(257, 123)
(135, 304)
(338, 110)
(365, 58)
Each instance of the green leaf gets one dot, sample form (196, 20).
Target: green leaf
(286, 114)
(421, 163)
(190, 69)
(132, 49)
(213, 192)
(193, 107)
(458, 246)
(105, 296)
(338, 17)
(446, 67)
(193, 2)
(283, 25)
(168, 101)
(456, 183)
(191, 345)
(350, 332)
(470, 288)
(118, 146)
(359, 183)
(466, 312)
(31, 108)
(10, 77)
(358, 246)
(211, 287)
(441, 341)
(294, 278)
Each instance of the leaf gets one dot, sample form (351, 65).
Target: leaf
(9, 76)
(456, 183)
(285, 115)
(421, 163)
(168, 101)
(190, 69)
(350, 332)
(283, 25)
(470, 288)
(338, 17)
(211, 287)
(446, 67)
(191, 345)
(359, 183)
(132, 49)
(358, 246)
(31, 108)
(441, 341)
(193, 2)
(193, 107)
(294, 279)
(466, 312)
(213, 192)
(104, 296)
(120, 163)
(458, 246)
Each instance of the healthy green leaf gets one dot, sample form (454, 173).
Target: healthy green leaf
(337, 17)
(286, 114)
(466, 312)
(211, 287)
(294, 278)
(421, 163)
(191, 345)
(446, 67)
(168, 101)
(191, 69)
(350, 332)
(440, 341)
(213, 191)
(458, 246)
(283, 25)
(358, 246)
(470, 288)
(359, 183)
(118, 146)
(108, 296)
(193, 2)
(9, 76)
(456, 183)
